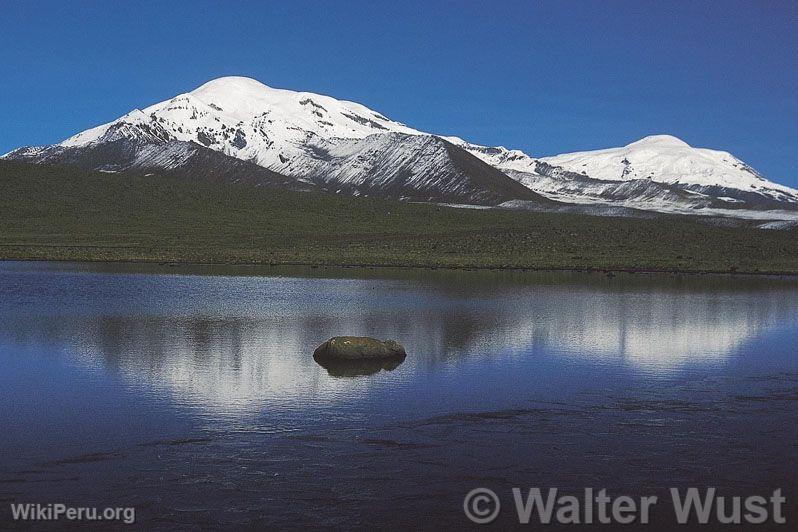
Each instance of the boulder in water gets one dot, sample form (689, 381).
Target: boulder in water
(359, 348)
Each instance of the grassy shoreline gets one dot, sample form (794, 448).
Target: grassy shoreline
(384, 266)
(66, 214)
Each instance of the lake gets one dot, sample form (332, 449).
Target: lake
(191, 394)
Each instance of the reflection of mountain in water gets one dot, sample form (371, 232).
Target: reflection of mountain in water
(656, 330)
(244, 343)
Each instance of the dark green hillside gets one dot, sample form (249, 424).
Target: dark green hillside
(62, 213)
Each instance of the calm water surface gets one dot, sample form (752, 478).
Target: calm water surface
(194, 397)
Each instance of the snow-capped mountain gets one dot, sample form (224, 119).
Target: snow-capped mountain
(313, 139)
(246, 119)
(659, 172)
(669, 160)
(306, 139)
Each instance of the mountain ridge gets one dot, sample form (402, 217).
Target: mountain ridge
(294, 134)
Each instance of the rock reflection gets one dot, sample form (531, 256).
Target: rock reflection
(358, 368)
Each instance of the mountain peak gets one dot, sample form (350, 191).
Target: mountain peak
(238, 96)
(228, 84)
(659, 140)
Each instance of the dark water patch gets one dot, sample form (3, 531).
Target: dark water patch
(497, 416)
(86, 459)
(176, 442)
(664, 405)
(774, 396)
(316, 438)
(394, 444)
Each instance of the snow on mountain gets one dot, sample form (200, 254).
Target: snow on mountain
(667, 159)
(659, 172)
(186, 160)
(248, 120)
(399, 165)
(346, 147)
(340, 146)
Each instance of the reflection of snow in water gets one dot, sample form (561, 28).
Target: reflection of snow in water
(232, 344)
(658, 332)
(227, 366)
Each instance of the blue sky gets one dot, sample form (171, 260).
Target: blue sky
(546, 77)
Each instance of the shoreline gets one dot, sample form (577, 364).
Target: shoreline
(609, 272)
